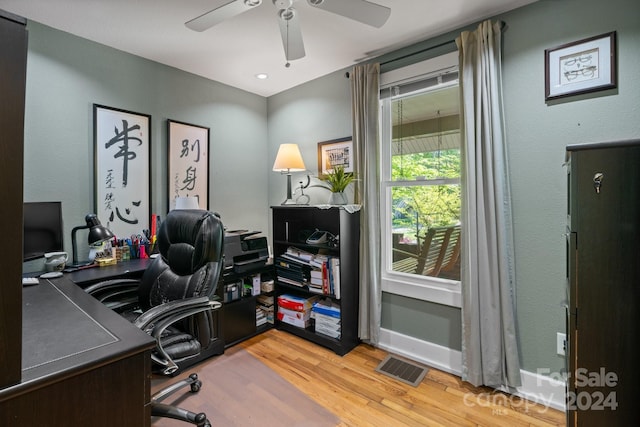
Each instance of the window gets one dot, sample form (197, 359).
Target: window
(421, 171)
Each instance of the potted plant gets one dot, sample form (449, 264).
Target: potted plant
(338, 180)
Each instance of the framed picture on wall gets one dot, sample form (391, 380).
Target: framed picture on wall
(337, 152)
(121, 163)
(188, 162)
(579, 67)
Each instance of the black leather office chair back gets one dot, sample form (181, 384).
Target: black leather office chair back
(189, 264)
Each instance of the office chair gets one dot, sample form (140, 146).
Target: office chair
(175, 301)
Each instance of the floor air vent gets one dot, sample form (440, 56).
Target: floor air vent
(402, 370)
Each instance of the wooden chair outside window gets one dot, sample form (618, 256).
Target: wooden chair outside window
(440, 249)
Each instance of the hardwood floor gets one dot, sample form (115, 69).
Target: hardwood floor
(350, 388)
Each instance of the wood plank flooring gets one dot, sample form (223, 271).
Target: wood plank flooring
(350, 388)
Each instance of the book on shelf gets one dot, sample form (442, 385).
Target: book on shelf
(300, 323)
(292, 274)
(298, 254)
(326, 307)
(326, 314)
(285, 262)
(296, 303)
(265, 300)
(292, 282)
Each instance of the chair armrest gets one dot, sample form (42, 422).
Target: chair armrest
(117, 294)
(173, 309)
(155, 320)
(111, 285)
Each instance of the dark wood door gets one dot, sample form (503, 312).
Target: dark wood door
(606, 221)
(13, 59)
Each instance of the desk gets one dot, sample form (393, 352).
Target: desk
(129, 269)
(82, 364)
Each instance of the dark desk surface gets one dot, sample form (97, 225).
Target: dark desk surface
(132, 268)
(66, 331)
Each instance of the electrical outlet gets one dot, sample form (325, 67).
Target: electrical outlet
(561, 343)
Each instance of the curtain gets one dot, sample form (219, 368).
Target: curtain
(365, 92)
(490, 353)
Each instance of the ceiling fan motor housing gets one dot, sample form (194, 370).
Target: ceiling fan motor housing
(283, 4)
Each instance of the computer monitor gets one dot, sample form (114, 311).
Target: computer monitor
(42, 229)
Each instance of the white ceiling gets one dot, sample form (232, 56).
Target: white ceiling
(234, 51)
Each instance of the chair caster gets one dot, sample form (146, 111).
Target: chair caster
(201, 420)
(196, 385)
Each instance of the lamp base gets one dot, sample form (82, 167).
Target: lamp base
(288, 202)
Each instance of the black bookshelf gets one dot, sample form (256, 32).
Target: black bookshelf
(292, 225)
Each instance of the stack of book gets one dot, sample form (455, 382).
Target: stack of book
(261, 317)
(327, 318)
(325, 275)
(295, 310)
(264, 305)
(317, 273)
(293, 268)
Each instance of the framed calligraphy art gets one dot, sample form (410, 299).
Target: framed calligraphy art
(583, 66)
(188, 163)
(337, 152)
(122, 162)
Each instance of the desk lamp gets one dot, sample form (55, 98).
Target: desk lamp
(288, 160)
(98, 233)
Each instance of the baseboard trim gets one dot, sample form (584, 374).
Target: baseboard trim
(538, 388)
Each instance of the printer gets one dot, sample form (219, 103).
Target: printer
(244, 250)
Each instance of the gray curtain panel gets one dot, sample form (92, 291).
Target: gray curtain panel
(365, 95)
(489, 344)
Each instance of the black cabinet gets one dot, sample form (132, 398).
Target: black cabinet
(292, 226)
(243, 314)
(603, 276)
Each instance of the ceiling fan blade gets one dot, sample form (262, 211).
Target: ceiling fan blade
(291, 35)
(363, 11)
(219, 14)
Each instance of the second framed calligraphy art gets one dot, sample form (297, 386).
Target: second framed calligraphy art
(188, 163)
(122, 162)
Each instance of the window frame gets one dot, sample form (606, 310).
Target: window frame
(432, 289)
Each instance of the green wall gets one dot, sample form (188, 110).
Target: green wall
(67, 74)
(537, 133)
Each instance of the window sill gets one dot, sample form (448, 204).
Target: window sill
(440, 291)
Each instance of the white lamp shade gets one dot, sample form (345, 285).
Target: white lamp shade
(187, 203)
(289, 159)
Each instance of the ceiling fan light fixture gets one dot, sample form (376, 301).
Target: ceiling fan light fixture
(287, 14)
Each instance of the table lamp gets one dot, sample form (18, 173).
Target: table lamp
(186, 203)
(98, 233)
(288, 160)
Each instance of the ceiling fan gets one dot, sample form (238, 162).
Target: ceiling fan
(362, 11)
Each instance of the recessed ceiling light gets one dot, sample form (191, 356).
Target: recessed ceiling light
(262, 76)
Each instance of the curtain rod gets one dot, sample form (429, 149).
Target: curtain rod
(409, 55)
(503, 27)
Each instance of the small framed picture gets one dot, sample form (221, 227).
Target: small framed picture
(188, 162)
(337, 152)
(122, 163)
(583, 66)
